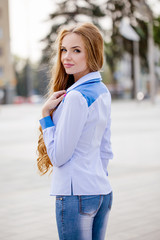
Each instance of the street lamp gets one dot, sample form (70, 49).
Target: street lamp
(129, 33)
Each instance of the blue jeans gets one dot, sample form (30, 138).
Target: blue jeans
(82, 217)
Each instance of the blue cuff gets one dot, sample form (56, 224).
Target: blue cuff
(46, 122)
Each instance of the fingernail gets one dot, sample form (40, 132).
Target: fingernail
(65, 94)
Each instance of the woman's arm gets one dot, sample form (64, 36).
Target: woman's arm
(61, 140)
(105, 148)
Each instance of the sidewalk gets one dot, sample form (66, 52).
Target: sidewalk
(27, 210)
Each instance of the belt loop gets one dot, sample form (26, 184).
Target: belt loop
(71, 188)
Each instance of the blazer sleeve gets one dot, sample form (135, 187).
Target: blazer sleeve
(61, 140)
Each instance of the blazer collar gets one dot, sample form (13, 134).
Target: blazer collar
(90, 77)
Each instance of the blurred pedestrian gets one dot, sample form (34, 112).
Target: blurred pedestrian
(75, 135)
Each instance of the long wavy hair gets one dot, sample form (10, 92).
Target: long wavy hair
(60, 80)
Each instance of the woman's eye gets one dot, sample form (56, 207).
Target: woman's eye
(63, 50)
(77, 50)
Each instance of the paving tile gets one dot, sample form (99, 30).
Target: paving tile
(28, 212)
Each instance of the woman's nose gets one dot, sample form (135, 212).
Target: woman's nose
(67, 55)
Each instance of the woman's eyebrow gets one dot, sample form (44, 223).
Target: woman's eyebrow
(76, 47)
(71, 47)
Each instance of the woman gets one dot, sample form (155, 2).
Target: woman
(76, 132)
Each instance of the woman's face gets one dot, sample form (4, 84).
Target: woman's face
(73, 56)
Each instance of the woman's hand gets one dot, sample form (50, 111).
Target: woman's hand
(52, 102)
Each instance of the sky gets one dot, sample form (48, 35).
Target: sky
(28, 25)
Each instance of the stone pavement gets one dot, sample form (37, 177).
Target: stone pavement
(26, 209)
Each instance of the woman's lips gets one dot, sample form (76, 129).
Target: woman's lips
(68, 65)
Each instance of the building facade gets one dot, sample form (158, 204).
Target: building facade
(7, 79)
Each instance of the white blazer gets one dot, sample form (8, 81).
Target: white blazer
(77, 139)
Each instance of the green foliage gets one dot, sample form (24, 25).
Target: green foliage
(27, 76)
(20, 68)
(156, 31)
(117, 10)
(21, 88)
(138, 13)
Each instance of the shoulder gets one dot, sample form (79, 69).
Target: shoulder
(92, 91)
(75, 97)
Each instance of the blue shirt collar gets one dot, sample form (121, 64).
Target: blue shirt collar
(90, 76)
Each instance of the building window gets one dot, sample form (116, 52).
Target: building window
(1, 51)
(1, 71)
(1, 32)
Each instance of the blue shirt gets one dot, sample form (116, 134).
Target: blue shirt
(77, 138)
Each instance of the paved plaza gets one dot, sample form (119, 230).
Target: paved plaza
(27, 212)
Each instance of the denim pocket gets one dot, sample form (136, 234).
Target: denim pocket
(59, 198)
(89, 204)
(111, 200)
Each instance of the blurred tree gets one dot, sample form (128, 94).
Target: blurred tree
(25, 75)
(20, 72)
(156, 30)
(42, 79)
(138, 13)
(71, 11)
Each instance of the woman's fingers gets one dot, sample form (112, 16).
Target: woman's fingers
(56, 99)
(52, 102)
(59, 99)
(58, 94)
